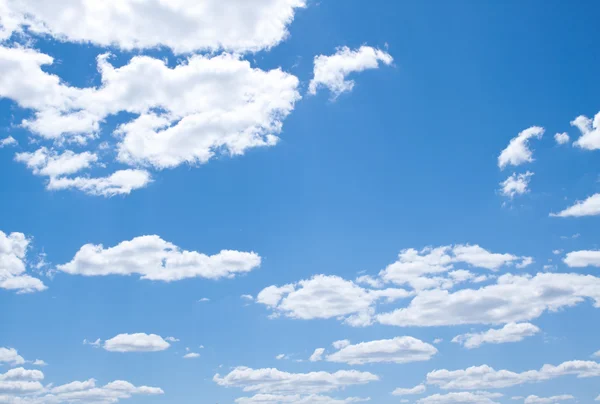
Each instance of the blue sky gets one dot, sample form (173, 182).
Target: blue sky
(270, 221)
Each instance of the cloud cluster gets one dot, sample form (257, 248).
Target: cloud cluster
(516, 184)
(396, 350)
(511, 332)
(13, 250)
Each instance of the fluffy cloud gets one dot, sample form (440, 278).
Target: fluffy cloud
(340, 344)
(332, 71)
(317, 355)
(184, 26)
(295, 399)
(548, 400)
(511, 332)
(11, 356)
(274, 381)
(590, 132)
(8, 141)
(463, 397)
(20, 381)
(420, 389)
(516, 184)
(513, 298)
(13, 250)
(588, 207)
(562, 138)
(51, 164)
(517, 152)
(483, 377)
(326, 297)
(139, 342)
(121, 182)
(396, 350)
(584, 258)
(155, 259)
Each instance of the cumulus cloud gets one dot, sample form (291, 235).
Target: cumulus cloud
(13, 251)
(49, 163)
(548, 400)
(512, 298)
(396, 350)
(332, 71)
(483, 377)
(590, 132)
(587, 207)
(326, 297)
(184, 26)
(10, 356)
(317, 355)
(518, 152)
(191, 355)
(419, 389)
(121, 182)
(39, 362)
(138, 342)
(463, 397)
(511, 332)
(296, 399)
(155, 259)
(584, 258)
(274, 381)
(562, 138)
(8, 141)
(516, 184)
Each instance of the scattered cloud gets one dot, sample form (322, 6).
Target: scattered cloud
(584, 258)
(191, 355)
(548, 400)
(562, 138)
(203, 300)
(396, 350)
(13, 276)
(139, 342)
(317, 355)
(172, 339)
(590, 132)
(511, 332)
(296, 399)
(463, 397)
(516, 184)
(121, 182)
(155, 259)
(588, 207)
(420, 389)
(341, 344)
(96, 344)
(8, 141)
(39, 362)
(518, 152)
(10, 356)
(332, 71)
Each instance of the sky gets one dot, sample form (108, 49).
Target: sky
(299, 201)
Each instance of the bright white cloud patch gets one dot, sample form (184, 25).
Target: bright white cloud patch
(155, 259)
(13, 250)
(182, 25)
(191, 355)
(562, 138)
(341, 344)
(49, 163)
(548, 400)
(420, 389)
(118, 183)
(463, 397)
(518, 152)
(396, 350)
(274, 381)
(590, 132)
(511, 332)
(138, 342)
(484, 377)
(326, 297)
(588, 207)
(516, 184)
(296, 399)
(317, 355)
(332, 71)
(10, 356)
(8, 141)
(512, 299)
(584, 258)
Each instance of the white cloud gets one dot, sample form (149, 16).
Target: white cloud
(420, 389)
(317, 355)
(39, 362)
(462, 397)
(138, 342)
(557, 252)
(584, 258)
(121, 182)
(204, 300)
(588, 207)
(10, 356)
(326, 297)
(8, 141)
(51, 164)
(597, 398)
(296, 399)
(517, 152)
(155, 259)
(511, 332)
(396, 350)
(191, 355)
(332, 71)
(172, 339)
(562, 138)
(184, 26)
(340, 344)
(274, 381)
(247, 297)
(590, 132)
(438, 341)
(281, 357)
(13, 251)
(483, 377)
(548, 400)
(516, 184)
(597, 354)
(512, 299)
(95, 344)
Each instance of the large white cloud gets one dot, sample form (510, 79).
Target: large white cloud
(138, 342)
(332, 71)
(296, 399)
(10, 356)
(486, 377)
(396, 350)
(274, 381)
(548, 400)
(463, 397)
(518, 152)
(156, 259)
(583, 258)
(512, 298)
(13, 250)
(590, 132)
(182, 25)
(511, 332)
(326, 297)
(587, 207)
